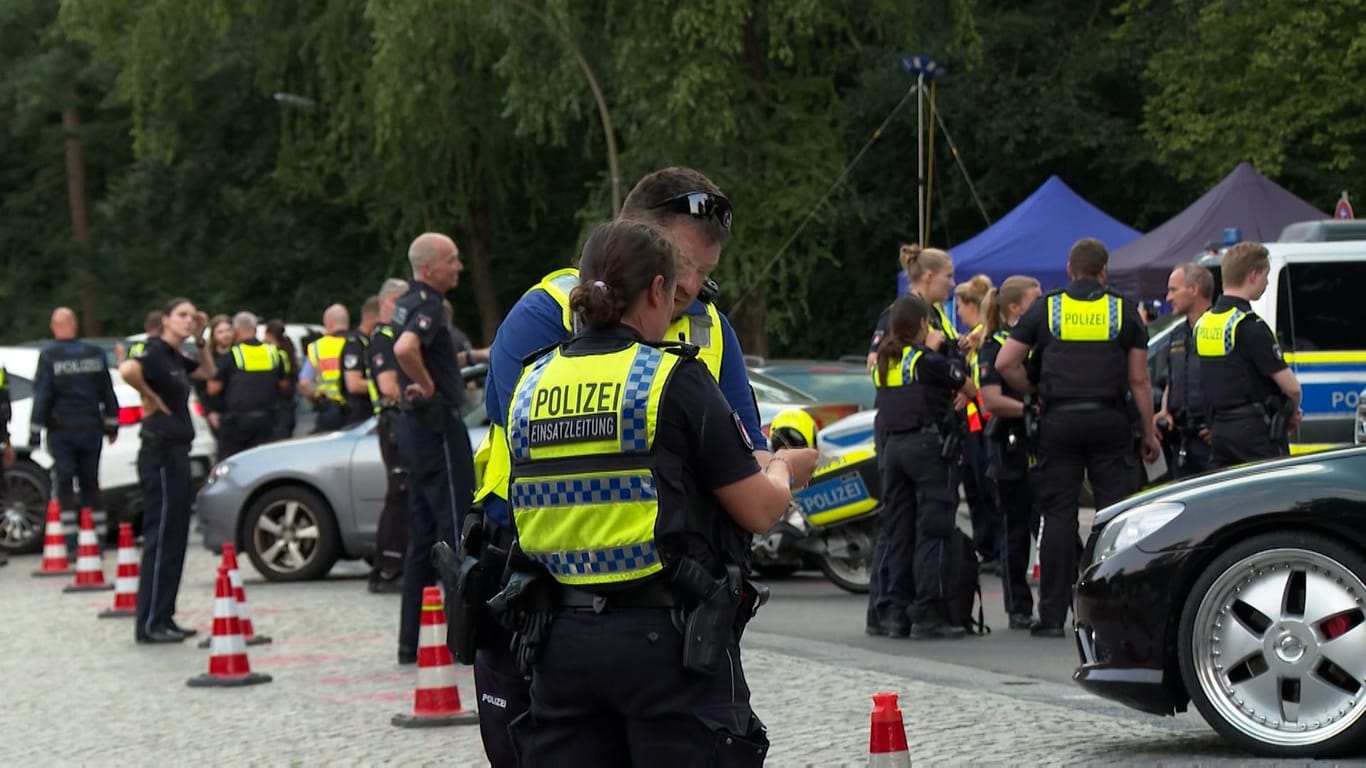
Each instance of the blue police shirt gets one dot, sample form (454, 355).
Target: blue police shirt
(536, 321)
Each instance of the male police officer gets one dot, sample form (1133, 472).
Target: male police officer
(74, 398)
(1094, 359)
(250, 380)
(694, 214)
(391, 535)
(432, 438)
(355, 378)
(1253, 395)
(321, 378)
(1183, 418)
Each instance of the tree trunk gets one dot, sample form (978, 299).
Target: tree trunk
(480, 261)
(749, 319)
(80, 218)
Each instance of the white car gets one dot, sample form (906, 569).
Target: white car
(28, 482)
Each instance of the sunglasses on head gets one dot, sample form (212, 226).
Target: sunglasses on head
(700, 205)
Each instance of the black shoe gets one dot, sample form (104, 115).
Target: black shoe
(161, 636)
(874, 630)
(894, 628)
(406, 656)
(936, 630)
(1040, 629)
(1021, 621)
(179, 630)
(383, 586)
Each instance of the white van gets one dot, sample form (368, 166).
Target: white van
(1311, 302)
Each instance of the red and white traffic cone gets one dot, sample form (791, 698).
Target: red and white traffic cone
(1034, 557)
(228, 665)
(54, 544)
(89, 564)
(436, 700)
(887, 735)
(126, 578)
(240, 595)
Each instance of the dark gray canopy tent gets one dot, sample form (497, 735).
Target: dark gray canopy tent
(1245, 199)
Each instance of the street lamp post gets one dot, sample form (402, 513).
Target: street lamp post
(614, 167)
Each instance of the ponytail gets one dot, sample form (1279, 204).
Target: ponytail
(908, 315)
(996, 307)
(993, 313)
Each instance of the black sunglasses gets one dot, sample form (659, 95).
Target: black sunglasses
(700, 205)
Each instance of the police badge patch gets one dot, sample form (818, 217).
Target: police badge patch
(349, 361)
(424, 322)
(744, 434)
(400, 316)
(377, 360)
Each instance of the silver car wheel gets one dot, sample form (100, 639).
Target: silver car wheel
(286, 535)
(1279, 648)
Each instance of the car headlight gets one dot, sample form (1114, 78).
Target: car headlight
(1133, 526)
(219, 471)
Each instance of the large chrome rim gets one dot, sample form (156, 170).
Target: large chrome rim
(1280, 647)
(23, 511)
(849, 553)
(286, 535)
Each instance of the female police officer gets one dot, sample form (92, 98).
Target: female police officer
(635, 488)
(915, 393)
(1007, 448)
(161, 376)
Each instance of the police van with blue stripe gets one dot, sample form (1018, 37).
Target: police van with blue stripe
(1313, 303)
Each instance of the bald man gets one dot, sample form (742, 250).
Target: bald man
(73, 398)
(321, 378)
(432, 438)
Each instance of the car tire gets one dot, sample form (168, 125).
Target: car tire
(290, 534)
(1273, 625)
(23, 508)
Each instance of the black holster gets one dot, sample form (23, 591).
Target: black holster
(951, 438)
(462, 576)
(710, 627)
(525, 606)
(1279, 409)
(430, 412)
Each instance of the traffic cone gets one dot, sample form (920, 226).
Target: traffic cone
(436, 700)
(89, 565)
(228, 666)
(1034, 557)
(240, 595)
(54, 544)
(126, 578)
(887, 735)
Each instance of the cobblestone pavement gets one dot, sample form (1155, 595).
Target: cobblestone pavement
(77, 690)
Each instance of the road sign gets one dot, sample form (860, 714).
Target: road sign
(1344, 209)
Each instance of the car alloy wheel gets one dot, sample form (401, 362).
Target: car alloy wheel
(290, 535)
(23, 508)
(1277, 647)
(287, 535)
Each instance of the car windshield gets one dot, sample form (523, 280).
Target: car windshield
(829, 383)
(771, 390)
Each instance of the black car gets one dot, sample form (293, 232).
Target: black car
(1241, 591)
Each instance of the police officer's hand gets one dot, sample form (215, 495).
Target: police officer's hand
(934, 339)
(1151, 448)
(801, 462)
(1162, 421)
(214, 420)
(110, 437)
(1293, 423)
(960, 401)
(415, 391)
(872, 360)
(1206, 435)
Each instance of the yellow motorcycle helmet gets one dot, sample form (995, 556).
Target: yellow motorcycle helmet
(792, 428)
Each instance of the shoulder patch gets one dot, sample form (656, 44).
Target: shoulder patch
(744, 434)
(377, 360)
(400, 315)
(423, 321)
(350, 361)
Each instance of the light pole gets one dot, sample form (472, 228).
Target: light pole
(613, 166)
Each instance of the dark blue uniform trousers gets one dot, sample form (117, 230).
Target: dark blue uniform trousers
(164, 473)
(610, 690)
(440, 490)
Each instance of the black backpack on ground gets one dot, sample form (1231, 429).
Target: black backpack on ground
(961, 585)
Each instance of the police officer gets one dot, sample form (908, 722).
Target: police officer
(74, 399)
(615, 441)
(915, 392)
(285, 416)
(432, 438)
(162, 376)
(1183, 420)
(248, 383)
(1009, 455)
(391, 535)
(1251, 391)
(151, 326)
(6, 448)
(696, 216)
(1094, 368)
(355, 375)
(321, 378)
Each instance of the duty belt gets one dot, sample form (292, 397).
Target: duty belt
(1246, 410)
(656, 594)
(1080, 406)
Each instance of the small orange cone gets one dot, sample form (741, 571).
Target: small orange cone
(436, 700)
(887, 735)
(89, 565)
(126, 578)
(54, 544)
(228, 665)
(240, 595)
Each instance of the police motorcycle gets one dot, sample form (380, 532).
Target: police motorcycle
(833, 522)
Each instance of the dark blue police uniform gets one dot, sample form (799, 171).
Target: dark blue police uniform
(1239, 360)
(164, 474)
(1189, 454)
(391, 534)
(251, 376)
(356, 408)
(436, 446)
(74, 399)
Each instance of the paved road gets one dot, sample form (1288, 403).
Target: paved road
(77, 690)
